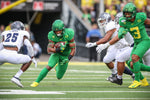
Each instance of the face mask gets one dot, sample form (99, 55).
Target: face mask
(58, 34)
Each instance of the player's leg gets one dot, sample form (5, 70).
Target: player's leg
(61, 68)
(53, 60)
(123, 55)
(109, 57)
(16, 58)
(16, 78)
(137, 53)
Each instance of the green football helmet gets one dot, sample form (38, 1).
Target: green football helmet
(58, 25)
(131, 9)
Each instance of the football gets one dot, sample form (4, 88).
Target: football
(57, 45)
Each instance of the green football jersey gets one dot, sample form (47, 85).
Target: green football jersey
(68, 34)
(136, 28)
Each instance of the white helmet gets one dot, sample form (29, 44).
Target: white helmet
(17, 25)
(103, 20)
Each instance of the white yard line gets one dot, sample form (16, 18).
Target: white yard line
(8, 91)
(78, 99)
(28, 92)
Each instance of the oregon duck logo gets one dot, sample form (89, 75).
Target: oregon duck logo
(66, 36)
(139, 20)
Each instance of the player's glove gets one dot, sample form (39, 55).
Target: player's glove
(34, 61)
(89, 45)
(64, 61)
(122, 32)
(101, 47)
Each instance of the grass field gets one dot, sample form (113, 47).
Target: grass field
(82, 81)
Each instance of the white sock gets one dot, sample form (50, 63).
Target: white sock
(113, 71)
(119, 76)
(19, 73)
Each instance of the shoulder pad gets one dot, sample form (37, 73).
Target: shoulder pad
(111, 25)
(141, 16)
(25, 33)
(69, 33)
(122, 21)
(51, 36)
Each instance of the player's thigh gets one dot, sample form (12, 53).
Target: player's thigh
(124, 54)
(13, 57)
(110, 55)
(141, 48)
(61, 70)
(53, 59)
(22, 59)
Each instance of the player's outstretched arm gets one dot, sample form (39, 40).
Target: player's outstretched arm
(30, 50)
(29, 47)
(101, 47)
(114, 40)
(103, 40)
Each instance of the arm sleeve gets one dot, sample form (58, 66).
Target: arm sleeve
(110, 26)
(29, 47)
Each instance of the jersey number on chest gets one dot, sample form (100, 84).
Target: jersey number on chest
(136, 31)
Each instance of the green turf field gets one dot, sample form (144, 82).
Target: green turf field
(82, 81)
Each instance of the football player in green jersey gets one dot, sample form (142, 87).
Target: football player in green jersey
(59, 56)
(133, 22)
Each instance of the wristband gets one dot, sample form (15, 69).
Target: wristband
(70, 56)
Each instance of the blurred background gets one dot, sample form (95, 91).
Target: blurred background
(38, 16)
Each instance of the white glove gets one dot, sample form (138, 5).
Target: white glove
(89, 45)
(101, 47)
(34, 61)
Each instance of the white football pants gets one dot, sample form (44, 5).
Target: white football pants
(13, 57)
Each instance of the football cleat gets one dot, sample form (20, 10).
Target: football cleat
(135, 84)
(116, 80)
(112, 75)
(16, 81)
(34, 84)
(144, 82)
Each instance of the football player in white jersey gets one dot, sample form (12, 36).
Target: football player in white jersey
(12, 41)
(104, 21)
(124, 55)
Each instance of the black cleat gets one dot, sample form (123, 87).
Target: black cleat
(116, 80)
(112, 75)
